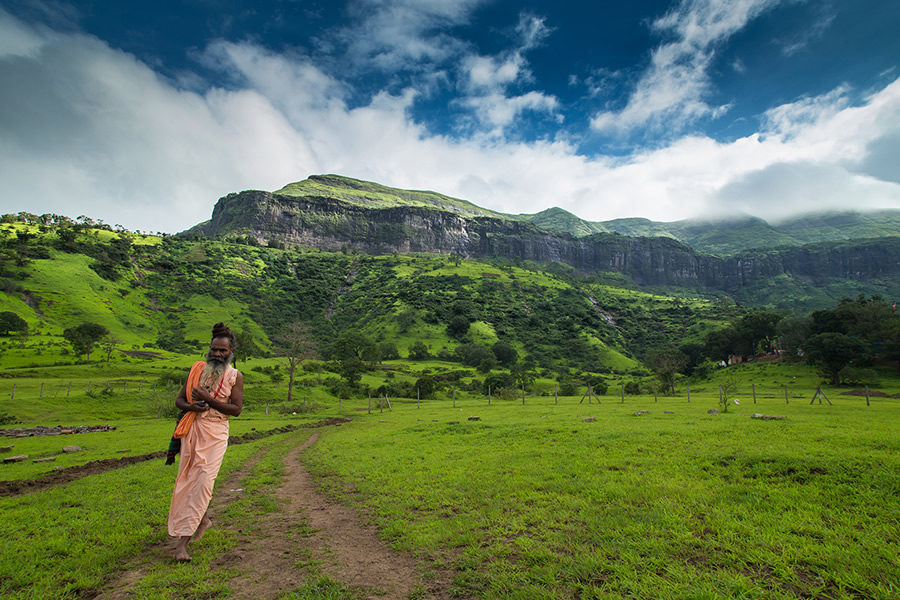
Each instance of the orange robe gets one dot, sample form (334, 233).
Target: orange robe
(202, 451)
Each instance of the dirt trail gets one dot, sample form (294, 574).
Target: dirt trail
(310, 529)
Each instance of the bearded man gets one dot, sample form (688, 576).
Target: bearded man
(213, 392)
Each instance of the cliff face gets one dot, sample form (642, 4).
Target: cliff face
(332, 224)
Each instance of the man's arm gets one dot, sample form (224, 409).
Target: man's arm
(234, 405)
(182, 404)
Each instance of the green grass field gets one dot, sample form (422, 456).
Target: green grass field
(650, 497)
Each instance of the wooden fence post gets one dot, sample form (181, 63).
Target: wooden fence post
(370, 404)
(489, 395)
(867, 396)
(69, 391)
(655, 398)
(454, 397)
(556, 394)
(523, 394)
(720, 394)
(388, 400)
(13, 396)
(754, 393)
(786, 401)
(42, 390)
(418, 398)
(689, 393)
(623, 393)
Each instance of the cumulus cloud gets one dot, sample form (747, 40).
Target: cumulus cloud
(399, 34)
(674, 88)
(86, 129)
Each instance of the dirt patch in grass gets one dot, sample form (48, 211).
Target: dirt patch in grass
(141, 354)
(310, 534)
(66, 475)
(313, 531)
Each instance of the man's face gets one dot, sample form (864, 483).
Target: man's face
(219, 351)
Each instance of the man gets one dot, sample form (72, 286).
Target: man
(213, 392)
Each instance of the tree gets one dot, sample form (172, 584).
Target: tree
(388, 350)
(418, 351)
(755, 330)
(84, 337)
(245, 346)
(458, 326)
(721, 343)
(833, 351)
(353, 344)
(10, 321)
(665, 364)
(523, 372)
(295, 344)
(793, 332)
(109, 343)
(425, 385)
(506, 354)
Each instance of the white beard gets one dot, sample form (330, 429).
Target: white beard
(212, 375)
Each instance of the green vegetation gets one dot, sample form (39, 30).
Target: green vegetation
(654, 498)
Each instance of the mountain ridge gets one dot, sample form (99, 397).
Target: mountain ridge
(373, 219)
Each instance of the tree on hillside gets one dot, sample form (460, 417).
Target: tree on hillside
(793, 332)
(353, 344)
(109, 342)
(720, 343)
(418, 351)
(506, 354)
(10, 321)
(458, 326)
(245, 346)
(833, 351)
(295, 345)
(352, 351)
(755, 331)
(665, 364)
(84, 337)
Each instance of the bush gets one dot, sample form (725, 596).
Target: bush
(859, 376)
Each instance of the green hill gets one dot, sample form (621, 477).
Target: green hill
(163, 296)
(374, 195)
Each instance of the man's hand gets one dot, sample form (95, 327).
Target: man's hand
(201, 399)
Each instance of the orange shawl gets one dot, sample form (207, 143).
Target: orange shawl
(193, 380)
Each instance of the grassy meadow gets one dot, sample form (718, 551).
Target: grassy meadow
(529, 501)
(537, 496)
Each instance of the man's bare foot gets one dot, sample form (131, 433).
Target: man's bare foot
(181, 554)
(205, 524)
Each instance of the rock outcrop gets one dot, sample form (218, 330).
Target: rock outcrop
(332, 224)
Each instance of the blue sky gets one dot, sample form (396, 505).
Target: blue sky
(145, 113)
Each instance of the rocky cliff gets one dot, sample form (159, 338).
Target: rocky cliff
(329, 223)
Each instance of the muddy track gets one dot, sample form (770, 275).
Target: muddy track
(310, 530)
(69, 474)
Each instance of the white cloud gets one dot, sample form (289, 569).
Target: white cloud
(674, 88)
(399, 34)
(85, 129)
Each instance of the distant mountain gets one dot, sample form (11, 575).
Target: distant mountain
(727, 236)
(337, 213)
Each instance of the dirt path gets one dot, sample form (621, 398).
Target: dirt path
(309, 531)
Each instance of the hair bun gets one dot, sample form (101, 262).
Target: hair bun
(221, 330)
